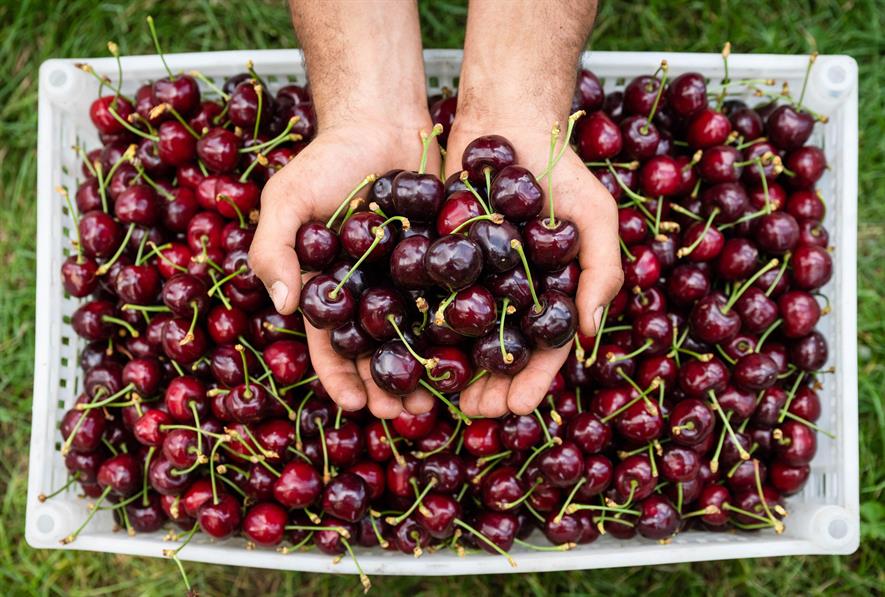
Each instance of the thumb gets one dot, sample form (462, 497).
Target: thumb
(272, 254)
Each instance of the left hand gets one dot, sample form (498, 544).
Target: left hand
(579, 197)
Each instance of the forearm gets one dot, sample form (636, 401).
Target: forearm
(520, 58)
(363, 59)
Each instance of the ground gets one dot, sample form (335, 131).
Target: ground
(32, 31)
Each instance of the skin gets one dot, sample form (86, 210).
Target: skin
(370, 97)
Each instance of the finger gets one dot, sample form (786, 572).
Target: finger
(381, 404)
(493, 403)
(470, 397)
(272, 254)
(338, 375)
(419, 402)
(595, 214)
(530, 385)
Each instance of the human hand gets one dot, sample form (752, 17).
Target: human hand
(310, 188)
(579, 197)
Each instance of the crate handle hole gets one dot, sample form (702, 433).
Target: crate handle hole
(46, 524)
(58, 78)
(838, 529)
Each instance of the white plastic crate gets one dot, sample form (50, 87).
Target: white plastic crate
(823, 519)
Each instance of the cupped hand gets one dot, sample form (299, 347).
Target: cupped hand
(310, 188)
(579, 197)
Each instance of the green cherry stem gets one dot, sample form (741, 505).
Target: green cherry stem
(516, 245)
(150, 22)
(474, 192)
(425, 145)
(749, 282)
(379, 234)
(654, 107)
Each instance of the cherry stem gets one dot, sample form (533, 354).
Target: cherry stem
(811, 60)
(428, 364)
(459, 414)
(420, 496)
(144, 481)
(749, 282)
(685, 212)
(442, 447)
(122, 323)
(612, 358)
(521, 500)
(725, 355)
(379, 235)
(576, 507)
(366, 181)
(474, 192)
(642, 396)
(396, 455)
(213, 456)
(233, 204)
(568, 500)
(73, 536)
(142, 174)
(105, 401)
(259, 93)
(75, 218)
(495, 218)
(810, 425)
(485, 540)
(597, 341)
(298, 443)
(727, 424)
(737, 464)
(127, 156)
(690, 248)
(129, 127)
(281, 330)
(554, 137)
(506, 309)
(239, 348)
(150, 22)
(634, 165)
(425, 145)
(726, 52)
(439, 317)
(208, 82)
(105, 267)
(259, 159)
(326, 476)
(364, 579)
(745, 218)
(221, 296)
(778, 525)
(767, 333)
(550, 442)
(517, 246)
(570, 126)
(654, 107)
(626, 250)
(790, 397)
(297, 384)
(71, 480)
(780, 274)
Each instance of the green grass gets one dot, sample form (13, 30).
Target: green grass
(31, 31)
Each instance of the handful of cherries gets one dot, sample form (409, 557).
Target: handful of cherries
(448, 279)
(694, 407)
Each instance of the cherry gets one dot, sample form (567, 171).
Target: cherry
(787, 479)
(708, 128)
(691, 422)
(100, 112)
(407, 263)
(183, 343)
(287, 360)
(219, 150)
(589, 94)
(796, 445)
(438, 515)
(811, 267)
(381, 191)
(459, 207)
(643, 270)
(482, 438)
(660, 176)
(265, 524)
(789, 128)
(640, 94)
(445, 470)
(641, 139)
(490, 151)
(599, 138)
(737, 260)
(809, 353)
(487, 351)
(679, 464)
(346, 497)
(219, 519)
(806, 404)
(496, 242)
(563, 529)
(344, 443)
(417, 196)
(454, 262)
(632, 226)
(452, 371)
(562, 464)
(564, 280)
(381, 312)
(90, 320)
(712, 320)
(554, 324)
(500, 488)
(520, 432)
(99, 234)
(659, 518)
(514, 285)
(324, 304)
(812, 232)
(394, 369)
(358, 232)
(747, 123)
(472, 313)
(298, 486)
(120, 474)
(800, 312)
(755, 372)
(633, 478)
(351, 340)
(802, 204)
(738, 401)
(729, 198)
(316, 246)
(687, 283)
(720, 163)
(243, 106)
(687, 94)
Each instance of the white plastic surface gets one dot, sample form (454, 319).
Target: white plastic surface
(823, 519)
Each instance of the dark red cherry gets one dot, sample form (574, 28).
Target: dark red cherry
(498, 527)
(359, 231)
(697, 378)
(265, 524)
(554, 324)
(810, 353)
(687, 94)
(298, 486)
(640, 138)
(720, 164)
(321, 307)
(711, 321)
(417, 196)
(777, 232)
(804, 204)
(551, 246)
(100, 112)
(394, 369)
(797, 444)
(633, 478)
(756, 310)
(490, 151)
(599, 138)
(687, 283)
(381, 191)
(679, 464)
(737, 260)
(738, 401)
(100, 234)
(787, 479)
(459, 207)
(176, 146)
(811, 267)
(643, 270)
(729, 198)
(79, 275)
(589, 94)
(789, 128)
(640, 94)
(659, 518)
(453, 369)
(747, 123)
(454, 262)
(407, 268)
(472, 313)
(346, 497)
(219, 150)
(487, 353)
(660, 176)
(513, 285)
(376, 306)
(800, 312)
(501, 487)
(442, 112)
(707, 129)
(755, 372)
(562, 464)
(691, 422)
(120, 473)
(316, 246)
(219, 520)
(351, 340)
(89, 320)
(564, 280)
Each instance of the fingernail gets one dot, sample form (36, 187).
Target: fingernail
(278, 294)
(597, 318)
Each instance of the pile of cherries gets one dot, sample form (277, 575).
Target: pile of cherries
(694, 407)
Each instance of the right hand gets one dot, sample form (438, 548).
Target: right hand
(311, 187)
